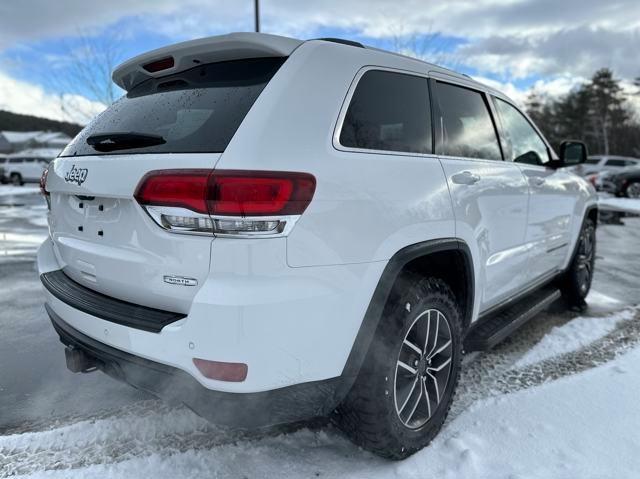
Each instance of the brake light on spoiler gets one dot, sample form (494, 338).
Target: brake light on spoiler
(226, 202)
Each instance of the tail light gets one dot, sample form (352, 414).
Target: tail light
(226, 202)
(43, 187)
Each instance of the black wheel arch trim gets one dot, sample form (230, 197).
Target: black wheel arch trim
(387, 280)
(585, 217)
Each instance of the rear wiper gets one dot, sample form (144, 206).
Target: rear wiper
(123, 141)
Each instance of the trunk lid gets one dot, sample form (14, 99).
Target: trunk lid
(106, 241)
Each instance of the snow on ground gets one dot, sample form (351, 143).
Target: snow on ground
(10, 190)
(573, 335)
(572, 427)
(627, 205)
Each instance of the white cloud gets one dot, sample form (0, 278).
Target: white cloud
(26, 98)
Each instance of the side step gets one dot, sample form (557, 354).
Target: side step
(499, 325)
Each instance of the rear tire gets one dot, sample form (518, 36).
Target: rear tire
(577, 280)
(16, 179)
(633, 190)
(394, 409)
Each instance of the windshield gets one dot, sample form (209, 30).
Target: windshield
(195, 111)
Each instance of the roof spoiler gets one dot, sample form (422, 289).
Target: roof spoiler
(183, 56)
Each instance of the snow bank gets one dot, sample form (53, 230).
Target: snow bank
(627, 205)
(575, 334)
(584, 426)
(10, 190)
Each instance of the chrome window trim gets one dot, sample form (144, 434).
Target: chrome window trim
(345, 106)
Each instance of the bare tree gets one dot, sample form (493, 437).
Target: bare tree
(427, 45)
(84, 70)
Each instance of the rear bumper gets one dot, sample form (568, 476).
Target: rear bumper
(236, 410)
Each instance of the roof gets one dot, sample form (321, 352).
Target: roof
(236, 46)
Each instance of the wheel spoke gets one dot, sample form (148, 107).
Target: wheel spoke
(435, 338)
(440, 349)
(426, 395)
(426, 337)
(441, 367)
(435, 383)
(415, 406)
(406, 401)
(406, 342)
(407, 367)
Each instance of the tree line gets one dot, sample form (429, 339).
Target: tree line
(597, 112)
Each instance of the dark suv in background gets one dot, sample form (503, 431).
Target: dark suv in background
(625, 183)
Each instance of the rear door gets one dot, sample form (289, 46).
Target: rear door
(489, 195)
(103, 238)
(553, 192)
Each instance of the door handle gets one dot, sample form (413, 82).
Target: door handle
(465, 178)
(537, 181)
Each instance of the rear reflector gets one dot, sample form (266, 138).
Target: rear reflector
(230, 372)
(228, 192)
(159, 65)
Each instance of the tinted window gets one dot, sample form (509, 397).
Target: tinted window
(195, 111)
(526, 145)
(16, 160)
(617, 163)
(29, 160)
(3, 160)
(466, 124)
(592, 161)
(389, 111)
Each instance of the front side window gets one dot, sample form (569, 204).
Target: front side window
(389, 111)
(467, 127)
(526, 145)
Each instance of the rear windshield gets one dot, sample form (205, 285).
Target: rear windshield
(195, 111)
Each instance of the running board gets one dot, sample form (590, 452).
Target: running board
(499, 325)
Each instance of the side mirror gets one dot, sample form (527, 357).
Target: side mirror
(572, 153)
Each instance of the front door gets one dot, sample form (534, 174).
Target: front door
(489, 195)
(552, 193)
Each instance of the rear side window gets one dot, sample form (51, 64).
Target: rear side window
(526, 144)
(195, 111)
(389, 111)
(618, 163)
(592, 161)
(467, 127)
(16, 160)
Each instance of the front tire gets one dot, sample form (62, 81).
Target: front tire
(406, 385)
(577, 280)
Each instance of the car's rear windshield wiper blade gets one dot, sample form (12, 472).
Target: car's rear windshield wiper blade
(123, 141)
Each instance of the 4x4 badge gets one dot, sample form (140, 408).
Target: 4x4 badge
(76, 175)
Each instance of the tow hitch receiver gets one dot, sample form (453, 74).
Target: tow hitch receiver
(78, 362)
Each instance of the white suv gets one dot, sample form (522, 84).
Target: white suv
(26, 166)
(270, 230)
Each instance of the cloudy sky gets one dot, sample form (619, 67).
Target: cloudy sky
(517, 45)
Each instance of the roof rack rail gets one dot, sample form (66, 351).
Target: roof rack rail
(342, 41)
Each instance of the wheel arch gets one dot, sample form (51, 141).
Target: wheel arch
(427, 258)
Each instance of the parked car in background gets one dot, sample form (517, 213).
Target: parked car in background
(599, 163)
(624, 183)
(27, 166)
